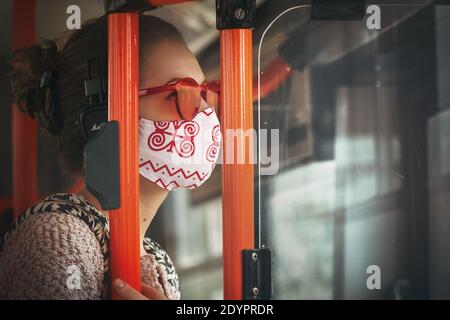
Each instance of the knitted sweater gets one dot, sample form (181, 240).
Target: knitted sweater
(59, 249)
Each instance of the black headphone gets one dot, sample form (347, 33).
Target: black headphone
(96, 84)
(101, 153)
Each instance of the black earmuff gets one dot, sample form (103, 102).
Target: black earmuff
(101, 153)
(96, 84)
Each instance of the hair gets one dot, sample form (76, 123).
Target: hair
(69, 63)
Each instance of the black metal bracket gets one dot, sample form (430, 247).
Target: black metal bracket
(112, 6)
(101, 165)
(338, 9)
(257, 274)
(235, 14)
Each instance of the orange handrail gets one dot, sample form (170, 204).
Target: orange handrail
(24, 128)
(274, 74)
(123, 107)
(237, 179)
(5, 204)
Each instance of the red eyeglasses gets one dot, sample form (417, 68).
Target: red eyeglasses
(187, 94)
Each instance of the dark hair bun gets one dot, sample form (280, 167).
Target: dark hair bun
(33, 80)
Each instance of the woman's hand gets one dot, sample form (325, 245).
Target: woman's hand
(127, 292)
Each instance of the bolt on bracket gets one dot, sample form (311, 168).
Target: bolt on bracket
(235, 14)
(257, 274)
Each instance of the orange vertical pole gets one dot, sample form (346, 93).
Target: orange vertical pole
(237, 179)
(24, 128)
(123, 107)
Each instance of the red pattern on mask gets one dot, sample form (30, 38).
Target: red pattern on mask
(171, 174)
(162, 139)
(211, 152)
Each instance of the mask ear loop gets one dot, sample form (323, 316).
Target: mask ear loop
(215, 104)
(177, 107)
(210, 96)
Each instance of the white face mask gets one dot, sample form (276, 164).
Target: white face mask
(179, 154)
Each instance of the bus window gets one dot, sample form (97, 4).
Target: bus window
(354, 182)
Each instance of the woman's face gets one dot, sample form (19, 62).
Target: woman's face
(161, 64)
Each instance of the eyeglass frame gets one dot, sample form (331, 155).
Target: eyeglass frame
(212, 85)
(205, 86)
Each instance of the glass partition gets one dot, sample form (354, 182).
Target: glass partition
(354, 186)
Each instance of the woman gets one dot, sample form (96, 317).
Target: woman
(59, 248)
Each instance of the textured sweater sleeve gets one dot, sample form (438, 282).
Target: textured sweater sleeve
(154, 275)
(51, 256)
